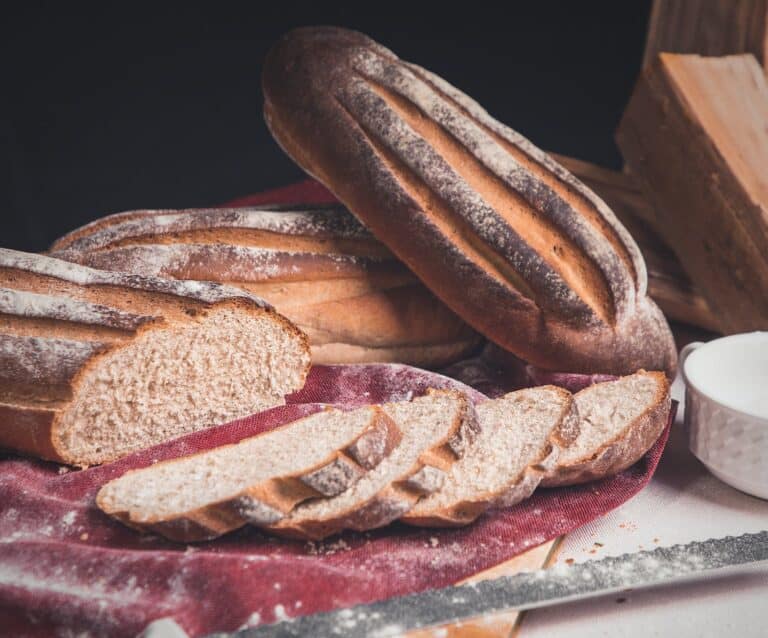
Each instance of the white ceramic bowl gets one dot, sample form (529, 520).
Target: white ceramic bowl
(726, 408)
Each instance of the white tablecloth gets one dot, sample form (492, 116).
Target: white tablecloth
(682, 503)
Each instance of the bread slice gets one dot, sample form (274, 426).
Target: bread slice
(95, 365)
(437, 429)
(257, 480)
(619, 421)
(521, 437)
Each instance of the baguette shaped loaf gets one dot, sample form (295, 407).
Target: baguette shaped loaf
(318, 265)
(95, 365)
(257, 480)
(504, 235)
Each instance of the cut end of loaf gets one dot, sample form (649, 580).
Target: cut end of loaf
(166, 383)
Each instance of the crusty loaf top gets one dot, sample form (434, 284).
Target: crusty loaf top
(314, 221)
(540, 232)
(506, 237)
(200, 291)
(244, 245)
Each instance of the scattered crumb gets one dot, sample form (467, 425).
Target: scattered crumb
(84, 536)
(432, 542)
(277, 586)
(63, 469)
(569, 561)
(280, 614)
(252, 621)
(318, 548)
(655, 540)
(599, 544)
(593, 551)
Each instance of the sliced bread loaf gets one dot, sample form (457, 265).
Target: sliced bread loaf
(257, 480)
(95, 365)
(437, 428)
(619, 422)
(521, 436)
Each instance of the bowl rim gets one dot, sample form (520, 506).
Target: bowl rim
(744, 336)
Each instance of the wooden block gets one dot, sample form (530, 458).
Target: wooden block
(707, 27)
(668, 283)
(499, 625)
(695, 137)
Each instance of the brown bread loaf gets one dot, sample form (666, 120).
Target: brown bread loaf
(510, 240)
(95, 365)
(318, 265)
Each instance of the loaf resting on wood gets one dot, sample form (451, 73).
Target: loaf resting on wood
(508, 238)
(95, 365)
(317, 265)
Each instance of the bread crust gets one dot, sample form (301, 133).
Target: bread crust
(59, 319)
(269, 501)
(467, 510)
(578, 303)
(395, 499)
(318, 265)
(624, 449)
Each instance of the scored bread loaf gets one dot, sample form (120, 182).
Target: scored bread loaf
(520, 440)
(95, 365)
(619, 421)
(504, 235)
(437, 429)
(257, 480)
(317, 265)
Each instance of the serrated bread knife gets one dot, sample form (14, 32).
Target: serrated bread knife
(529, 590)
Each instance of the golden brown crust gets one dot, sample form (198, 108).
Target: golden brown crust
(625, 449)
(488, 223)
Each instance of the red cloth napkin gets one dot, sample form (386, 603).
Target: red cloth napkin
(65, 564)
(67, 568)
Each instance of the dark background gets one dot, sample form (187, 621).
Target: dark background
(110, 110)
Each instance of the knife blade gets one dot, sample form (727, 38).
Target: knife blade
(527, 590)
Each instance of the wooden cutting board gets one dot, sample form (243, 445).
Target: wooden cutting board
(499, 625)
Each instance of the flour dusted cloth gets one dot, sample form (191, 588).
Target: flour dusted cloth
(68, 569)
(66, 565)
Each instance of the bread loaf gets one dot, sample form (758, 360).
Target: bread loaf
(619, 421)
(257, 480)
(94, 365)
(319, 266)
(510, 240)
